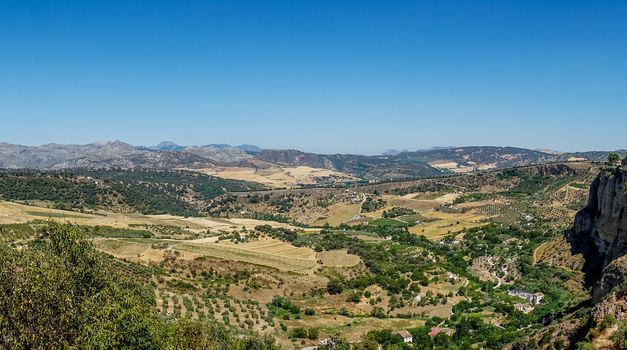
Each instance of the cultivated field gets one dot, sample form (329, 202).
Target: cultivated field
(266, 252)
(338, 258)
(447, 223)
(280, 177)
(421, 202)
(340, 213)
(19, 213)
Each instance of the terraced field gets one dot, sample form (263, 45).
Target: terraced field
(11, 213)
(447, 223)
(266, 252)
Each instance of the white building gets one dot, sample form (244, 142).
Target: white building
(407, 337)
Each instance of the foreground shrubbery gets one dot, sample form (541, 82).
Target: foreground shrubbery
(59, 293)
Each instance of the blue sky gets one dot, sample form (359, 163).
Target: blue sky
(323, 76)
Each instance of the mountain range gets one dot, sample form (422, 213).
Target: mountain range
(391, 165)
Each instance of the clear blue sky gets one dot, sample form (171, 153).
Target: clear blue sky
(327, 76)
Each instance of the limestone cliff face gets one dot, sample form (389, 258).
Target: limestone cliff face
(600, 230)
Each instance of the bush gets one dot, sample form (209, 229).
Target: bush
(60, 293)
(298, 333)
(608, 321)
(313, 333)
(334, 287)
(378, 312)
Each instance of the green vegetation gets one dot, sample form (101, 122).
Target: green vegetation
(402, 279)
(114, 232)
(613, 159)
(61, 188)
(389, 222)
(60, 293)
(147, 191)
(370, 204)
(398, 211)
(579, 185)
(16, 232)
(283, 308)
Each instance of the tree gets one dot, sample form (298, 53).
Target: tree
(625, 161)
(377, 312)
(59, 293)
(613, 159)
(334, 287)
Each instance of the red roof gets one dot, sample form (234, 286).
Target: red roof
(435, 331)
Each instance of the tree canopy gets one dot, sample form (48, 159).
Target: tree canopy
(59, 292)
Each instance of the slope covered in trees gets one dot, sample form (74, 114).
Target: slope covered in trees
(147, 191)
(61, 293)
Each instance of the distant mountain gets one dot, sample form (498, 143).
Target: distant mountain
(391, 165)
(367, 167)
(166, 146)
(217, 145)
(597, 156)
(94, 155)
(219, 153)
(430, 162)
(249, 148)
(480, 156)
(393, 152)
(245, 147)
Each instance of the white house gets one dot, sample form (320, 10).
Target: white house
(407, 337)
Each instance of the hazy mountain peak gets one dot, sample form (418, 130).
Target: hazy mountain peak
(167, 146)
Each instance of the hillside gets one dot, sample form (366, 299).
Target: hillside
(95, 155)
(62, 293)
(146, 191)
(168, 155)
(461, 253)
(406, 164)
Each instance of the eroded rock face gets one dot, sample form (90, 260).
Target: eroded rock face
(613, 275)
(600, 229)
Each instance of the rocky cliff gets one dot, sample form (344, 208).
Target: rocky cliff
(600, 232)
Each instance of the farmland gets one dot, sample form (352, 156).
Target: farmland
(340, 262)
(275, 176)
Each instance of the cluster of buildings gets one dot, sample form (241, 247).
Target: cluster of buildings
(533, 299)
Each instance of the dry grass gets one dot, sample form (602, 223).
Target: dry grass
(340, 213)
(447, 223)
(130, 250)
(338, 258)
(421, 202)
(277, 176)
(18, 213)
(558, 252)
(265, 252)
(353, 329)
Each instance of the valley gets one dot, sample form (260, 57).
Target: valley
(343, 263)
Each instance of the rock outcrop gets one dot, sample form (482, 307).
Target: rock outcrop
(600, 232)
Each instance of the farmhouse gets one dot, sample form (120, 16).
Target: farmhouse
(524, 307)
(418, 298)
(452, 276)
(437, 330)
(532, 298)
(407, 337)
